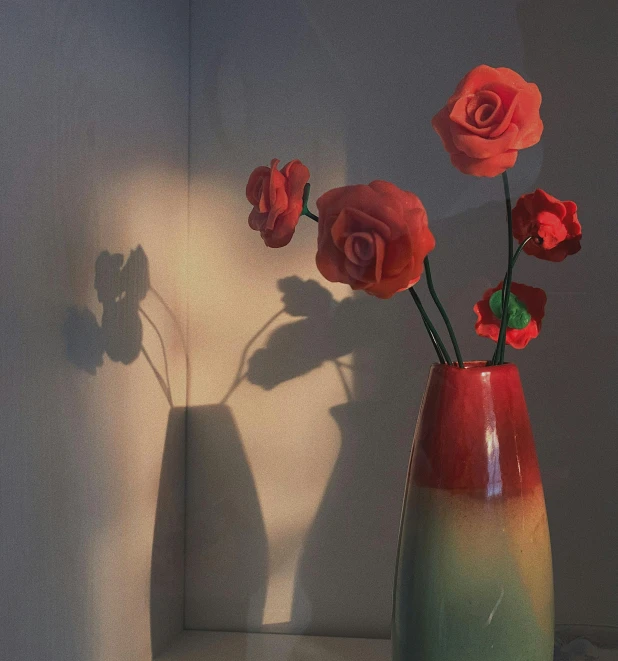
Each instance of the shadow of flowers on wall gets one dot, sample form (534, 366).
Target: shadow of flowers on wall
(300, 346)
(121, 287)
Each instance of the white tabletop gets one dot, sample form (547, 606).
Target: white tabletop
(211, 646)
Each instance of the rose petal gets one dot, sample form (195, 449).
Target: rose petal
(330, 262)
(368, 274)
(256, 183)
(362, 197)
(257, 220)
(351, 221)
(550, 229)
(510, 77)
(408, 200)
(277, 196)
(484, 167)
(359, 248)
(283, 230)
(474, 80)
(459, 116)
(399, 254)
(509, 97)
(489, 102)
(297, 176)
(388, 287)
(441, 123)
(542, 200)
(476, 146)
(527, 117)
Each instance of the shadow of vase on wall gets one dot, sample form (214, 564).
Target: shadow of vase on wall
(227, 547)
(168, 546)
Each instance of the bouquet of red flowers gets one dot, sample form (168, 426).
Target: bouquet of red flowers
(376, 237)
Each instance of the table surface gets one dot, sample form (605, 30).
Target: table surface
(572, 645)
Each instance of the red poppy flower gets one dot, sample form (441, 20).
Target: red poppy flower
(492, 114)
(553, 225)
(526, 311)
(277, 199)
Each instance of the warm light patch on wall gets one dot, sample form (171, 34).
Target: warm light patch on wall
(256, 336)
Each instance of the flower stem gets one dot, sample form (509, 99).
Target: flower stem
(305, 211)
(506, 287)
(438, 345)
(441, 357)
(440, 307)
(519, 249)
(513, 262)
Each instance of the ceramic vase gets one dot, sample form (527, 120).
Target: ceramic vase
(474, 570)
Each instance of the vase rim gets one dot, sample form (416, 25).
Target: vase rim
(473, 365)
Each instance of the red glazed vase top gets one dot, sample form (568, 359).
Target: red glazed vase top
(462, 406)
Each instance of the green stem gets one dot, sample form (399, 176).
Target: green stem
(440, 307)
(305, 211)
(515, 258)
(506, 288)
(435, 344)
(519, 249)
(436, 340)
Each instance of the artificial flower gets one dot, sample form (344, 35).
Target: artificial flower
(277, 199)
(492, 114)
(372, 237)
(526, 311)
(552, 224)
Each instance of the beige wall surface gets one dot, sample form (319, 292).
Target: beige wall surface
(302, 397)
(300, 478)
(93, 149)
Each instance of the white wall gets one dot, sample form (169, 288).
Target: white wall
(312, 500)
(93, 148)
(295, 501)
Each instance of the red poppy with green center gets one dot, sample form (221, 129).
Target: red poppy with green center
(526, 309)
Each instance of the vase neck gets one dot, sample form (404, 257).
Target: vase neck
(474, 433)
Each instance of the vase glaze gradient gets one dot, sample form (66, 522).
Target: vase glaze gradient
(474, 570)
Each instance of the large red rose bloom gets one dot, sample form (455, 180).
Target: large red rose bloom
(373, 237)
(492, 114)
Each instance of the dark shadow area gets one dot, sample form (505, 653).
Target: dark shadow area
(227, 548)
(570, 52)
(168, 546)
(121, 288)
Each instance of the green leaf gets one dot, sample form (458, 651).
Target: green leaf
(519, 317)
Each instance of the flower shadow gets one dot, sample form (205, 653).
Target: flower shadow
(121, 287)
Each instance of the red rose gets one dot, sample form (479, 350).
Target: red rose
(277, 199)
(372, 237)
(553, 225)
(526, 311)
(492, 114)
